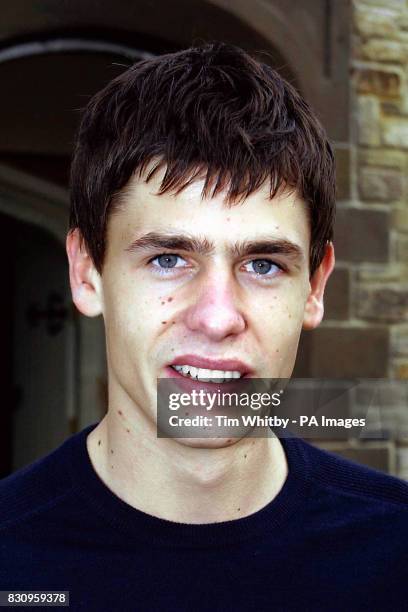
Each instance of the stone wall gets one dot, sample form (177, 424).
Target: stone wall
(368, 299)
(379, 192)
(379, 196)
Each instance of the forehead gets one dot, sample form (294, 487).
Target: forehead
(142, 209)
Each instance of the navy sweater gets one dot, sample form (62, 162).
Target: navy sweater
(334, 538)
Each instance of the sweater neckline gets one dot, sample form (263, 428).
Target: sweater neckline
(157, 531)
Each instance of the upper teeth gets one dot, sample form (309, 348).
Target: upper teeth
(217, 376)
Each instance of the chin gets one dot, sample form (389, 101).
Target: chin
(212, 443)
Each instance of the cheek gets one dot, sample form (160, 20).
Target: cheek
(136, 315)
(278, 319)
(283, 309)
(128, 315)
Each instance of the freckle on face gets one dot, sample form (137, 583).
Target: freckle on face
(164, 322)
(170, 299)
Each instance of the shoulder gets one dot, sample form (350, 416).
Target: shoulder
(34, 488)
(355, 485)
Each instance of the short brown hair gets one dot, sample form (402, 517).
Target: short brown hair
(209, 111)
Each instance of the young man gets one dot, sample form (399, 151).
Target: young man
(201, 227)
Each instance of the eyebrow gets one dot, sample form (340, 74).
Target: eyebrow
(203, 246)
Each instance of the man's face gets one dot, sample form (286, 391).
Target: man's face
(194, 282)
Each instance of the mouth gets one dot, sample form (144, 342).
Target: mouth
(206, 370)
(204, 375)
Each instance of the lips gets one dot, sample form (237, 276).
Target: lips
(213, 364)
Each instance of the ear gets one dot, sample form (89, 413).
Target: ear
(314, 307)
(85, 280)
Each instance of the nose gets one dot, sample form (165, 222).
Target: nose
(214, 312)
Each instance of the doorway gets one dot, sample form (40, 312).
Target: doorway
(37, 354)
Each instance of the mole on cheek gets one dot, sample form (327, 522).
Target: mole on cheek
(163, 322)
(170, 299)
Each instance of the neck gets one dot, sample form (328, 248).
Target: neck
(170, 480)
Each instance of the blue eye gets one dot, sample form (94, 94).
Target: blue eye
(262, 267)
(166, 261)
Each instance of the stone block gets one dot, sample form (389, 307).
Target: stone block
(373, 273)
(375, 21)
(402, 249)
(404, 46)
(378, 82)
(399, 218)
(382, 303)
(384, 422)
(401, 371)
(362, 235)
(337, 295)
(395, 133)
(380, 50)
(403, 20)
(342, 173)
(383, 158)
(343, 352)
(397, 5)
(368, 121)
(386, 393)
(399, 341)
(392, 107)
(379, 185)
(402, 460)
